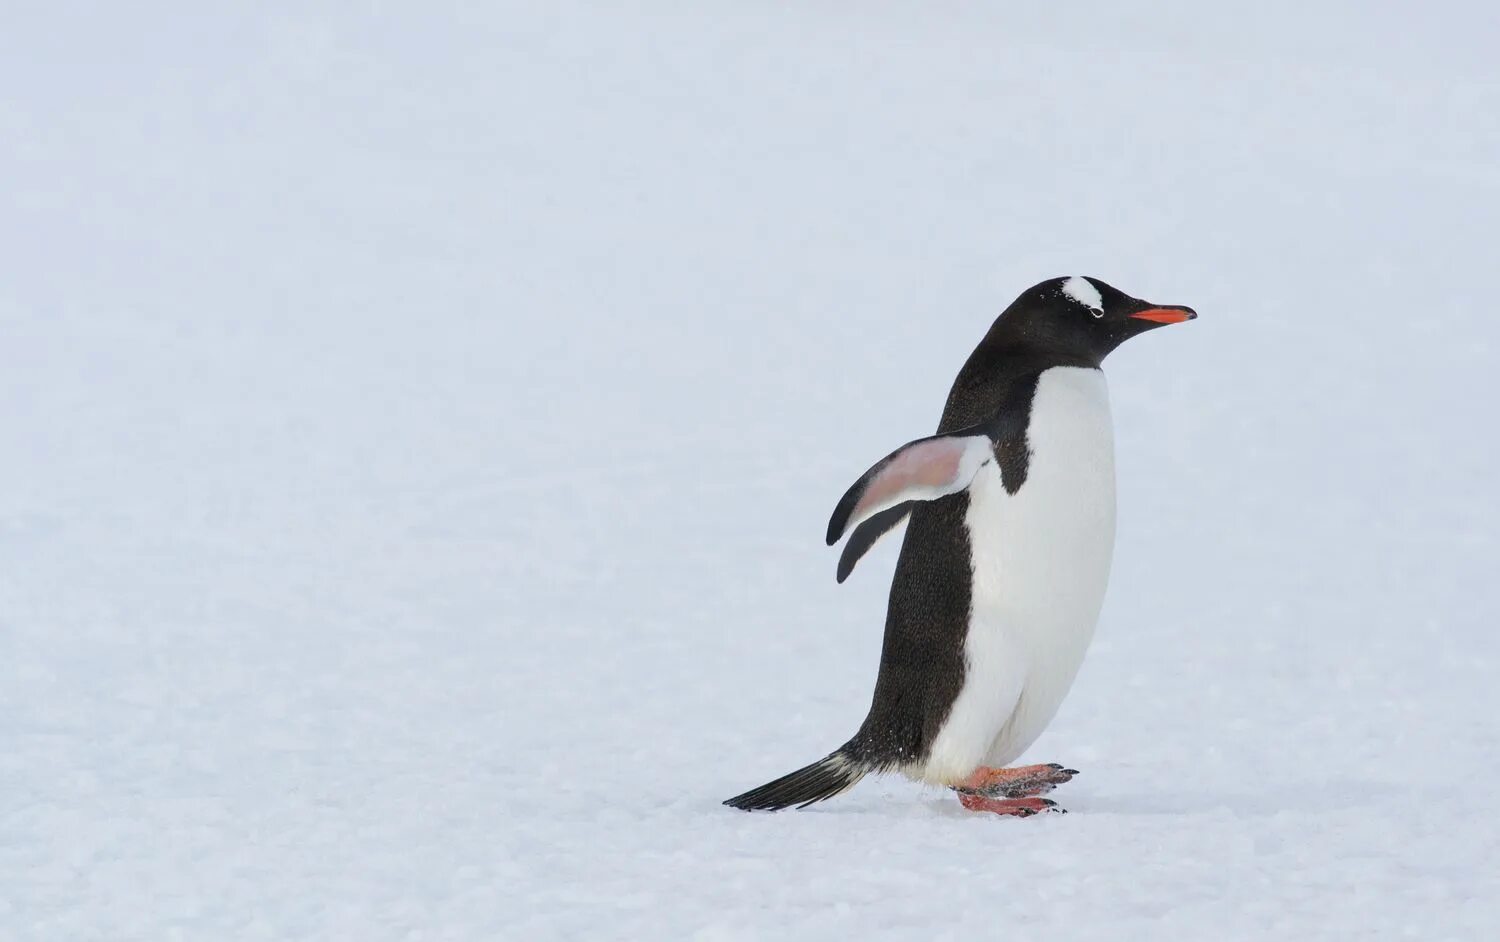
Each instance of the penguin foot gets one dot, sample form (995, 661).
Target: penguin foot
(1025, 781)
(1015, 807)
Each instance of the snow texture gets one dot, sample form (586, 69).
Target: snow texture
(419, 428)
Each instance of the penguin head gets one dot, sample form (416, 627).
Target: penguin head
(1083, 317)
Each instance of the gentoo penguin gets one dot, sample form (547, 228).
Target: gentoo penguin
(1005, 560)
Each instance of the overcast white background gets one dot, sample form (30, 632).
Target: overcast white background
(419, 425)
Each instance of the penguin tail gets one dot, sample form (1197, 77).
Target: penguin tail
(823, 779)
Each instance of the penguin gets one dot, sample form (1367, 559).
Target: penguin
(1002, 571)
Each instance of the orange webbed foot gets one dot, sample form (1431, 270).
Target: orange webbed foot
(1015, 807)
(1025, 781)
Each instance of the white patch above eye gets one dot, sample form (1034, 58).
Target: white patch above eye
(1083, 291)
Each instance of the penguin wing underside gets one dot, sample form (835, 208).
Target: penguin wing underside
(925, 469)
(867, 534)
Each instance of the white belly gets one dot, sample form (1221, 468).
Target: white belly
(1041, 563)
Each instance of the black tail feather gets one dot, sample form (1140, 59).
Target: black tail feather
(823, 779)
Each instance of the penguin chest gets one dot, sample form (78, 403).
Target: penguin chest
(1040, 560)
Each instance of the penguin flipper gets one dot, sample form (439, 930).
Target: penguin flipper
(925, 469)
(867, 534)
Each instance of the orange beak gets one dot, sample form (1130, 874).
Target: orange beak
(1166, 315)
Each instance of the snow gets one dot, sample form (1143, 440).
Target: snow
(420, 428)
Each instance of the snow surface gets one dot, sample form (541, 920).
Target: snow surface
(420, 426)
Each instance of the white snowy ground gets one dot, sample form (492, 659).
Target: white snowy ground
(418, 430)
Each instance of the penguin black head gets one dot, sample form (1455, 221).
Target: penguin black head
(1082, 318)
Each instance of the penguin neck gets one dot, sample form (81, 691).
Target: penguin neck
(1037, 343)
(999, 378)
